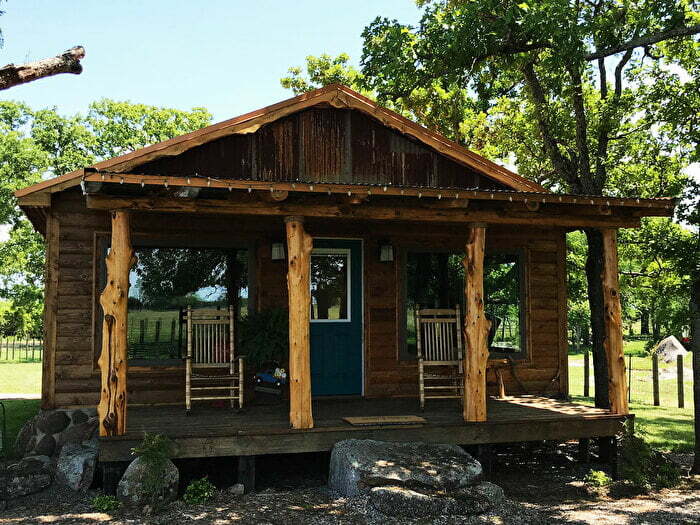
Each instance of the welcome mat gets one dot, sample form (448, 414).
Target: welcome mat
(385, 420)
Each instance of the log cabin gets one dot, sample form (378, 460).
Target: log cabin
(348, 217)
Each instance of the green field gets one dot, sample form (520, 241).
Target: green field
(20, 378)
(667, 427)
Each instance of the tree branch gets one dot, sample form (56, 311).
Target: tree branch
(644, 41)
(68, 62)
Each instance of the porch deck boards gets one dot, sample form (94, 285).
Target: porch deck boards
(264, 428)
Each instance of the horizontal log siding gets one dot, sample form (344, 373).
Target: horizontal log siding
(77, 376)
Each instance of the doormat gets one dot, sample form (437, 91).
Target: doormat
(385, 420)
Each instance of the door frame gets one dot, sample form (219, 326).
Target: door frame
(362, 301)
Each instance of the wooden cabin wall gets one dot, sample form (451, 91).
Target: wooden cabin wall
(76, 375)
(322, 145)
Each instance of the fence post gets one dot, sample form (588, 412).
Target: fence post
(655, 378)
(586, 374)
(679, 367)
(142, 330)
(158, 330)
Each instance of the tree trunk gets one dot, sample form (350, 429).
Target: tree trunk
(695, 347)
(644, 321)
(594, 271)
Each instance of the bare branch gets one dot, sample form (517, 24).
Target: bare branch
(68, 62)
(645, 41)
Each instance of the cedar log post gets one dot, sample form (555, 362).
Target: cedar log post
(617, 382)
(299, 246)
(113, 359)
(476, 327)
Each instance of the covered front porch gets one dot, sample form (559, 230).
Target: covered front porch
(264, 428)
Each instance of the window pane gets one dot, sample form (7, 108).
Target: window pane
(436, 280)
(502, 291)
(165, 281)
(329, 287)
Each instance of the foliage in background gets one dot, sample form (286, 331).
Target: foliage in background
(264, 338)
(40, 144)
(199, 491)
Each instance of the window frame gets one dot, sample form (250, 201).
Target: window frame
(521, 255)
(346, 252)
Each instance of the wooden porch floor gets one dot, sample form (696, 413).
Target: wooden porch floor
(264, 428)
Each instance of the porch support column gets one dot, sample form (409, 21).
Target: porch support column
(617, 381)
(476, 327)
(113, 359)
(299, 246)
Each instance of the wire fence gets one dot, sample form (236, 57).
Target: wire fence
(650, 380)
(15, 348)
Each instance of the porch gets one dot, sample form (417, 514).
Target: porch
(263, 428)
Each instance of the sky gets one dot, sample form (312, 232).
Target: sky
(226, 56)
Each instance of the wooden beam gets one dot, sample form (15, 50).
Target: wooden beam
(325, 209)
(299, 246)
(476, 327)
(113, 359)
(617, 381)
(48, 366)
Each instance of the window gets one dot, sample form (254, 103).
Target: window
(436, 280)
(330, 285)
(164, 281)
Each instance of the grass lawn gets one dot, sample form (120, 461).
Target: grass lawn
(20, 378)
(667, 427)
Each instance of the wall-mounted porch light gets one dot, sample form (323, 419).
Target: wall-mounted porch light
(386, 252)
(277, 251)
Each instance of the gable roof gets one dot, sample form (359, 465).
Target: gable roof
(334, 95)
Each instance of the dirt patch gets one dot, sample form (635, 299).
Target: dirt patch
(543, 483)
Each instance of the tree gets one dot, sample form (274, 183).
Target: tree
(43, 143)
(574, 73)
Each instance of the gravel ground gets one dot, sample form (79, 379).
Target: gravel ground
(542, 490)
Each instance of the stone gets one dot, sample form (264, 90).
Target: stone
(131, 490)
(400, 501)
(237, 490)
(27, 476)
(78, 417)
(357, 466)
(477, 499)
(78, 433)
(46, 446)
(25, 441)
(53, 421)
(76, 466)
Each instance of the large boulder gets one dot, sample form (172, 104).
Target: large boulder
(53, 421)
(134, 491)
(26, 437)
(407, 503)
(27, 476)
(76, 466)
(359, 465)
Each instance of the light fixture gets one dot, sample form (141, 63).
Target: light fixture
(386, 252)
(277, 251)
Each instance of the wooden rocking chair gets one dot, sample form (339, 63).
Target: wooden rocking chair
(440, 356)
(211, 368)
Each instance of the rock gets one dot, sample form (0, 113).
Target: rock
(84, 431)
(400, 501)
(237, 490)
(359, 465)
(78, 417)
(25, 442)
(27, 476)
(53, 422)
(46, 446)
(131, 490)
(76, 466)
(477, 499)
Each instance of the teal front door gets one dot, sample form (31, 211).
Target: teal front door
(336, 317)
